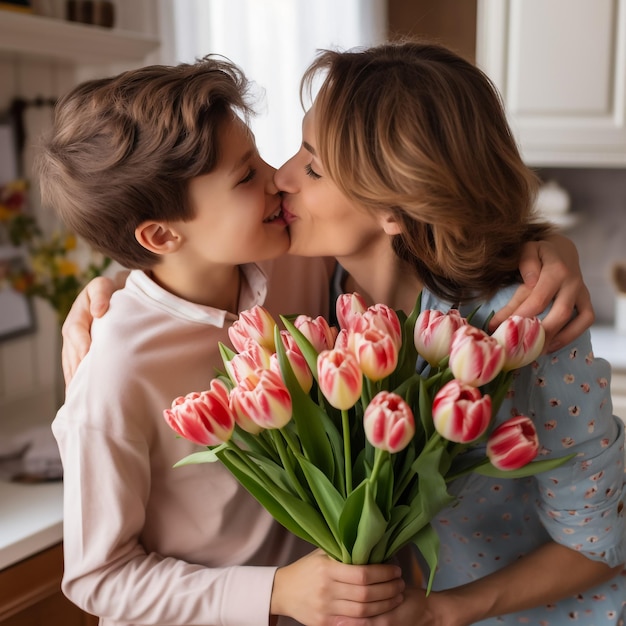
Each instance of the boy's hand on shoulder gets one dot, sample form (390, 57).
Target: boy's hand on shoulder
(318, 591)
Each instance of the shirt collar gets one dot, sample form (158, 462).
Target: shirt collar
(253, 291)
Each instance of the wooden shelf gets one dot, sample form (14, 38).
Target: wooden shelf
(43, 37)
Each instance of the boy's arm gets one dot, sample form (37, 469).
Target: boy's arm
(551, 270)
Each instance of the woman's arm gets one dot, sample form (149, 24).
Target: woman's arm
(91, 302)
(548, 574)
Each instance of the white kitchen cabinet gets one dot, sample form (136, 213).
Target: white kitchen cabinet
(560, 66)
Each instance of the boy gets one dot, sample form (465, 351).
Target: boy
(155, 168)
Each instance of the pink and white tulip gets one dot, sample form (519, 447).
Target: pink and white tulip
(204, 418)
(388, 422)
(263, 399)
(257, 324)
(513, 443)
(247, 362)
(296, 360)
(475, 357)
(317, 330)
(376, 353)
(460, 412)
(522, 339)
(340, 378)
(383, 318)
(434, 331)
(348, 307)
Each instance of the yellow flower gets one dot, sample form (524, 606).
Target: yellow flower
(67, 268)
(70, 242)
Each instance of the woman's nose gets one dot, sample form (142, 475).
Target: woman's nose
(282, 177)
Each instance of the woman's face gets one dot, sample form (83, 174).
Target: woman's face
(322, 220)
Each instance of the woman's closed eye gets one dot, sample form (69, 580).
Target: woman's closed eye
(310, 172)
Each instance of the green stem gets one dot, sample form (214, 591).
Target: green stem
(282, 452)
(379, 457)
(347, 453)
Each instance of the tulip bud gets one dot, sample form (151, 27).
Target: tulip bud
(340, 378)
(383, 318)
(204, 418)
(342, 342)
(263, 399)
(320, 335)
(388, 422)
(245, 363)
(296, 360)
(349, 306)
(256, 324)
(513, 444)
(475, 357)
(434, 331)
(460, 412)
(375, 352)
(522, 339)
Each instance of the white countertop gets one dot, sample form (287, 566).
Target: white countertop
(31, 519)
(31, 514)
(610, 345)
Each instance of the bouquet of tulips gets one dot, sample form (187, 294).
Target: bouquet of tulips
(342, 440)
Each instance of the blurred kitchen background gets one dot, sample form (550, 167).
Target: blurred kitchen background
(560, 65)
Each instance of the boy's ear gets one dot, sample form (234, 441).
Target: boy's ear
(158, 237)
(390, 224)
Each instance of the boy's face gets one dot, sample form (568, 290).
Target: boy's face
(237, 207)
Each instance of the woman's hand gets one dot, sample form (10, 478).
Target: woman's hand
(317, 591)
(91, 302)
(551, 270)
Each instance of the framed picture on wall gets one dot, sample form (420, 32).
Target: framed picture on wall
(16, 311)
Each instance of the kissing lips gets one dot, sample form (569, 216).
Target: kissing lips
(287, 215)
(276, 216)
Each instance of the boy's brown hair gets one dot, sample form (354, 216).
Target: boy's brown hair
(122, 149)
(412, 128)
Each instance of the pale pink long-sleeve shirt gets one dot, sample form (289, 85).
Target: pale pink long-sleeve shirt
(146, 543)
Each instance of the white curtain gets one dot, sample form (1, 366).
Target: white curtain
(273, 41)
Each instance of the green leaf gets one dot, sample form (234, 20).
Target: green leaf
(351, 515)
(309, 353)
(425, 409)
(535, 467)
(205, 456)
(308, 416)
(427, 542)
(297, 516)
(371, 528)
(226, 353)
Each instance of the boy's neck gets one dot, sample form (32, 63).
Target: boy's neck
(215, 286)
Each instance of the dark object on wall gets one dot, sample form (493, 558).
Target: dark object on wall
(96, 12)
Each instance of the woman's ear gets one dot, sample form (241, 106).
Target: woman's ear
(158, 237)
(390, 224)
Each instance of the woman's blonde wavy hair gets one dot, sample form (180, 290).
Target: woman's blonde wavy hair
(414, 129)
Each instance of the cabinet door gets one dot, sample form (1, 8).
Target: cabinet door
(561, 68)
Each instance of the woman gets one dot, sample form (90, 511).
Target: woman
(409, 175)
